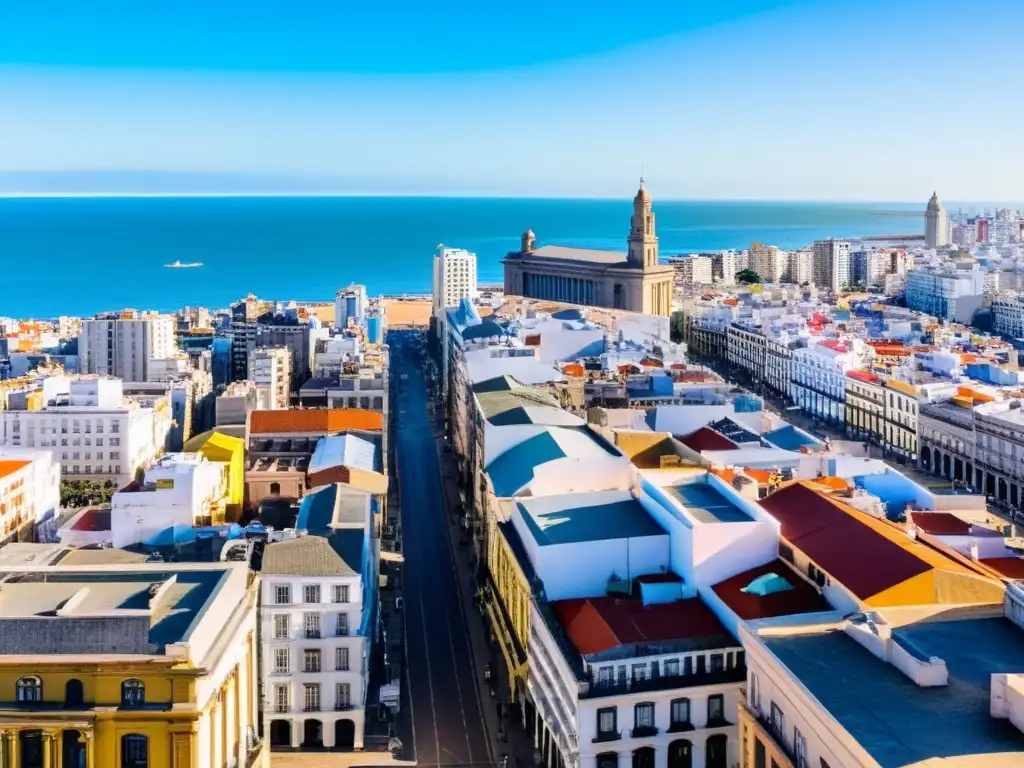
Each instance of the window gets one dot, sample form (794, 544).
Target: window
(30, 689)
(281, 698)
(311, 593)
(311, 660)
(755, 692)
(800, 747)
(282, 595)
(342, 624)
(778, 723)
(680, 712)
(343, 696)
(133, 693)
(281, 626)
(672, 668)
(341, 593)
(716, 709)
(608, 760)
(281, 665)
(643, 717)
(760, 754)
(134, 751)
(639, 672)
(604, 676)
(606, 723)
(74, 693)
(311, 697)
(312, 624)
(275, 489)
(341, 659)
(717, 664)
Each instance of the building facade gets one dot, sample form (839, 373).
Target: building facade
(350, 305)
(271, 368)
(633, 281)
(454, 278)
(831, 264)
(123, 346)
(949, 291)
(936, 224)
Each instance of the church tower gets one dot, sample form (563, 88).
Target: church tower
(643, 243)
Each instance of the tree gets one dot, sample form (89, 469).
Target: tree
(747, 276)
(85, 493)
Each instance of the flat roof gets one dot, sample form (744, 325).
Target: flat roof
(597, 624)
(751, 604)
(569, 253)
(571, 518)
(896, 721)
(512, 470)
(707, 504)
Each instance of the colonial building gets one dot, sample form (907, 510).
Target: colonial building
(633, 280)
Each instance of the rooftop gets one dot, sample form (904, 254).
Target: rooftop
(940, 523)
(517, 404)
(349, 450)
(513, 470)
(743, 594)
(587, 255)
(707, 439)
(896, 721)
(572, 518)
(10, 466)
(707, 504)
(842, 542)
(337, 553)
(314, 420)
(598, 624)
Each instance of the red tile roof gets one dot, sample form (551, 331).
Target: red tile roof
(940, 523)
(1008, 567)
(803, 598)
(860, 375)
(598, 624)
(93, 520)
(304, 420)
(848, 548)
(707, 439)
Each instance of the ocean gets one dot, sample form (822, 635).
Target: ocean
(82, 255)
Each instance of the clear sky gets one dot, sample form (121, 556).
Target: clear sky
(800, 99)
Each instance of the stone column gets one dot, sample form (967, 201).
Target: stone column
(5, 737)
(90, 749)
(47, 739)
(15, 751)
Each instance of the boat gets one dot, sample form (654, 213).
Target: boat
(184, 265)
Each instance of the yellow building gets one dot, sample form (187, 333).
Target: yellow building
(128, 666)
(508, 599)
(217, 446)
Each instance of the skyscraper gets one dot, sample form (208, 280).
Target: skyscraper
(350, 305)
(454, 278)
(122, 345)
(936, 224)
(831, 268)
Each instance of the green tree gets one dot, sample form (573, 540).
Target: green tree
(747, 277)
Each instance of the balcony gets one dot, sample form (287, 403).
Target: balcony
(643, 732)
(313, 634)
(663, 683)
(344, 707)
(680, 727)
(311, 708)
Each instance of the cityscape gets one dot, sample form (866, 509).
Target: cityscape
(533, 385)
(736, 508)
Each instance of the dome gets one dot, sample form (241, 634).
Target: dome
(641, 194)
(934, 203)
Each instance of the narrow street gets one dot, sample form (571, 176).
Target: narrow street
(448, 722)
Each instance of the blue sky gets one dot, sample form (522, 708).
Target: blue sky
(798, 99)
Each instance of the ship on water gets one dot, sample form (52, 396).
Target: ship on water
(184, 265)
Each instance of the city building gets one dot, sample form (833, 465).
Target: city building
(818, 384)
(634, 280)
(982, 231)
(89, 426)
(270, 368)
(350, 305)
(799, 266)
(454, 271)
(831, 264)
(128, 665)
(319, 623)
(695, 269)
(936, 224)
(949, 291)
(768, 261)
(234, 404)
(297, 336)
(29, 494)
(123, 345)
(1008, 316)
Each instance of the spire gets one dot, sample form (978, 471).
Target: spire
(641, 193)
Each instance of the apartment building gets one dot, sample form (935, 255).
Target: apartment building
(124, 345)
(818, 382)
(831, 264)
(799, 267)
(692, 270)
(454, 271)
(1008, 316)
(89, 426)
(768, 261)
(949, 292)
(319, 621)
(270, 368)
(350, 305)
(29, 493)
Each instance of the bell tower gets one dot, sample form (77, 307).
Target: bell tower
(643, 243)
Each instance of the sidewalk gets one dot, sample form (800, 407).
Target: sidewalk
(505, 734)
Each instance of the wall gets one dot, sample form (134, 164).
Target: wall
(583, 569)
(570, 475)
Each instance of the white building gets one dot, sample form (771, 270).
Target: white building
(271, 368)
(831, 265)
(799, 266)
(692, 270)
(319, 617)
(123, 347)
(350, 306)
(181, 490)
(454, 278)
(1008, 316)
(88, 425)
(936, 224)
(29, 493)
(768, 261)
(947, 291)
(819, 377)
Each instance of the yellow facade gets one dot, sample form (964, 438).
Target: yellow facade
(230, 450)
(757, 745)
(509, 604)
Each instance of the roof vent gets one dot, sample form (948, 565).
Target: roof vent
(767, 584)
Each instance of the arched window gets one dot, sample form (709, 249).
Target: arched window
(74, 695)
(134, 751)
(275, 489)
(30, 689)
(133, 693)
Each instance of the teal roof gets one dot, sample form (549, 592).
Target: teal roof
(316, 510)
(767, 584)
(578, 517)
(514, 469)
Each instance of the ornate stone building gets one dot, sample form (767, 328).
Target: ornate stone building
(633, 281)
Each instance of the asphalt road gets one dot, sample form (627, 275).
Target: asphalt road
(446, 703)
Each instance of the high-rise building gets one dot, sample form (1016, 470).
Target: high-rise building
(799, 266)
(936, 224)
(350, 306)
(454, 278)
(695, 269)
(271, 368)
(123, 346)
(982, 228)
(768, 261)
(831, 264)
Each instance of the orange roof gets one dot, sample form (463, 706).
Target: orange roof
(10, 466)
(573, 369)
(314, 420)
(901, 386)
(833, 483)
(760, 475)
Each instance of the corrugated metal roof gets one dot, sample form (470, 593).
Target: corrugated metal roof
(346, 450)
(314, 420)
